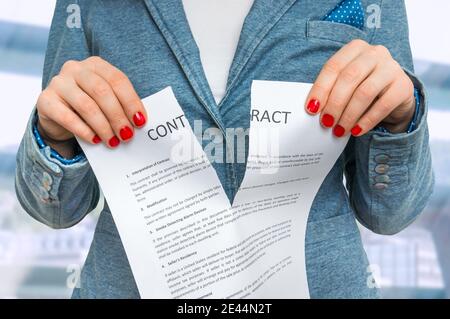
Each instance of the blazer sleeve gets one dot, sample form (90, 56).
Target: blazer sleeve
(55, 194)
(389, 176)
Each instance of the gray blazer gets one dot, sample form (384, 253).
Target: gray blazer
(388, 177)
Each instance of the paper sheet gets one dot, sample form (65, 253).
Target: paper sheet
(181, 235)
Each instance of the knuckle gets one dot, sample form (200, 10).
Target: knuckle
(358, 42)
(351, 73)
(56, 81)
(118, 79)
(44, 101)
(394, 67)
(132, 103)
(373, 51)
(406, 94)
(409, 85)
(381, 50)
(319, 89)
(93, 62)
(65, 121)
(367, 91)
(332, 66)
(118, 121)
(384, 106)
(335, 101)
(70, 66)
(86, 106)
(370, 121)
(100, 89)
(94, 59)
(346, 119)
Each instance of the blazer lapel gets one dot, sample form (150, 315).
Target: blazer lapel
(260, 20)
(170, 18)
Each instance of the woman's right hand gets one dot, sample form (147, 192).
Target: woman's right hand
(92, 100)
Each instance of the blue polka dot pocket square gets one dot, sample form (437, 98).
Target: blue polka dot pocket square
(347, 12)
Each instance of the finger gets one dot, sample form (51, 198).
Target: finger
(86, 108)
(394, 96)
(123, 89)
(363, 97)
(99, 90)
(346, 83)
(54, 109)
(318, 96)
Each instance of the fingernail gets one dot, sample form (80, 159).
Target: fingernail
(338, 131)
(313, 106)
(126, 133)
(327, 120)
(114, 141)
(139, 119)
(96, 139)
(356, 130)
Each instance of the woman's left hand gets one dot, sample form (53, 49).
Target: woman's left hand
(360, 87)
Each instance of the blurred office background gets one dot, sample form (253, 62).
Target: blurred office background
(35, 261)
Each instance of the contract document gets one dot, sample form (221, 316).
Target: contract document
(182, 237)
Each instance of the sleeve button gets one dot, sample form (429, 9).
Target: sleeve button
(382, 168)
(47, 181)
(384, 179)
(43, 193)
(380, 186)
(382, 159)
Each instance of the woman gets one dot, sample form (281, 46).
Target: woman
(95, 74)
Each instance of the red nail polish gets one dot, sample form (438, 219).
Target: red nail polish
(356, 130)
(313, 106)
(96, 139)
(139, 119)
(114, 141)
(338, 131)
(126, 133)
(327, 120)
